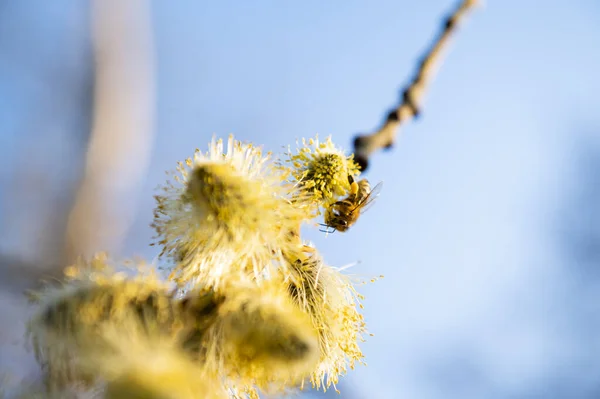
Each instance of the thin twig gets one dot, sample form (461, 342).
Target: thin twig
(412, 96)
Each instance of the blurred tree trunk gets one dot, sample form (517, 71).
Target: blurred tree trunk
(76, 143)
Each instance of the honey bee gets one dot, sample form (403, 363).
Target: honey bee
(343, 214)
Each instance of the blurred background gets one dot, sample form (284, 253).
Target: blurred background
(488, 226)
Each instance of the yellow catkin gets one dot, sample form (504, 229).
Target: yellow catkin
(66, 326)
(321, 171)
(261, 340)
(247, 308)
(224, 215)
(331, 301)
(143, 367)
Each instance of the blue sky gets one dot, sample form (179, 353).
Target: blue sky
(460, 229)
(473, 300)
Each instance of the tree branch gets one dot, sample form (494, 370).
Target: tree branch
(412, 96)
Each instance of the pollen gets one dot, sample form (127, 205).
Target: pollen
(321, 170)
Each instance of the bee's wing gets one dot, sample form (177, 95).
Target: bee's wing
(369, 200)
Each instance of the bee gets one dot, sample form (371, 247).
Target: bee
(343, 214)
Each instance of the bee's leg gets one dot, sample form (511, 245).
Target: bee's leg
(328, 229)
(353, 185)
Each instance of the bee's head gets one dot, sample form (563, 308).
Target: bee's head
(339, 224)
